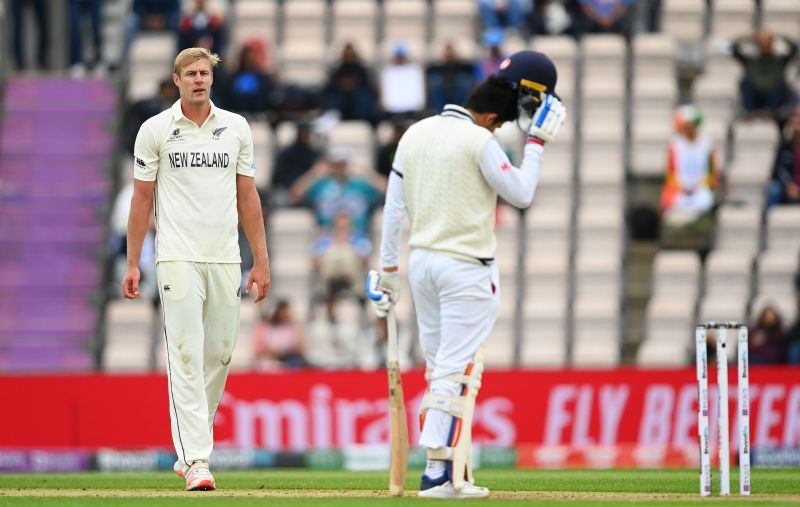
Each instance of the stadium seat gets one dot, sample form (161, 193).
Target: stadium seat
(600, 229)
(596, 332)
(676, 274)
(546, 277)
(359, 138)
(129, 337)
(499, 350)
(738, 229)
(406, 20)
(598, 275)
(776, 272)
(683, 19)
(786, 306)
(548, 231)
(453, 19)
(728, 275)
(305, 21)
(263, 151)
(562, 50)
(783, 229)
(781, 16)
(255, 18)
(669, 321)
(302, 61)
(151, 57)
(355, 21)
(732, 18)
(545, 327)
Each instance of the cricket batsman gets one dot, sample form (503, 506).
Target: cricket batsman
(447, 174)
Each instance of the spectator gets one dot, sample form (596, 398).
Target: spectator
(606, 16)
(488, 65)
(152, 16)
(201, 28)
(555, 17)
(349, 89)
(692, 169)
(42, 13)
(385, 155)
(767, 338)
(329, 188)
(764, 59)
(77, 10)
(785, 185)
(278, 339)
(138, 112)
(402, 85)
(251, 88)
(341, 256)
(449, 81)
(502, 14)
(793, 341)
(291, 163)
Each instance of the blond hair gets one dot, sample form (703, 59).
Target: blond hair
(190, 55)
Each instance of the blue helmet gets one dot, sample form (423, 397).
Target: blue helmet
(530, 73)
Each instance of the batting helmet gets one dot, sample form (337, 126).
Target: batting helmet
(531, 73)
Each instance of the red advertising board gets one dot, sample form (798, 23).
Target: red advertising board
(554, 409)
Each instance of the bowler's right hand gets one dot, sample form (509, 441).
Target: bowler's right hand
(130, 283)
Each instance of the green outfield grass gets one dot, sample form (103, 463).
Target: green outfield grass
(299, 487)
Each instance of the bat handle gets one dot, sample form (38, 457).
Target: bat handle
(392, 348)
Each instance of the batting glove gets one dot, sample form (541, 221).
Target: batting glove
(389, 284)
(547, 120)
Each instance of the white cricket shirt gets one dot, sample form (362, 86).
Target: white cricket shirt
(195, 172)
(446, 175)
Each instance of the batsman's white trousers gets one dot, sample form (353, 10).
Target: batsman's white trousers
(201, 322)
(456, 304)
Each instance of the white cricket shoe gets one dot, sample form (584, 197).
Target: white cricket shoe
(178, 467)
(447, 490)
(199, 478)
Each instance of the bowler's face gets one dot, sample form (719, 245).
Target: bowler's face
(194, 82)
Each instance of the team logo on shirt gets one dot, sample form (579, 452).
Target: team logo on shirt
(139, 162)
(175, 136)
(217, 132)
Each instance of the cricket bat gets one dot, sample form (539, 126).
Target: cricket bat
(398, 429)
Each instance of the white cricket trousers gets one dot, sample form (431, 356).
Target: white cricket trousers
(200, 302)
(456, 304)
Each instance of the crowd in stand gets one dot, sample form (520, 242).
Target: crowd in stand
(305, 174)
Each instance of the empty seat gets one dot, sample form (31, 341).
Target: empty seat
(499, 349)
(676, 273)
(596, 332)
(783, 228)
(598, 274)
(546, 276)
(683, 19)
(738, 229)
(600, 229)
(305, 20)
(303, 62)
(405, 20)
(732, 18)
(776, 273)
(669, 320)
(544, 338)
(255, 18)
(355, 20)
(548, 231)
(728, 274)
(781, 16)
(454, 19)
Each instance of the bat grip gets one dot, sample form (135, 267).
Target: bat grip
(392, 349)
